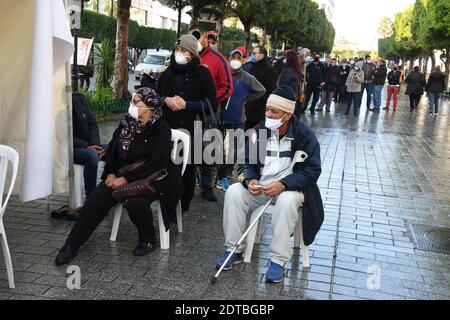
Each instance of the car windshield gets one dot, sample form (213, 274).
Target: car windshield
(152, 59)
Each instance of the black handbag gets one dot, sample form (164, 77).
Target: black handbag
(141, 187)
(209, 118)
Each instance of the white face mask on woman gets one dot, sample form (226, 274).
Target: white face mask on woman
(180, 59)
(274, 124)
(133, 111)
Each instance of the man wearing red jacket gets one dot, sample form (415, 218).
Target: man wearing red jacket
(221, 74)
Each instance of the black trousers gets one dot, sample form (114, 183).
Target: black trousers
(315, 92)
(414, 100)
(97, 207)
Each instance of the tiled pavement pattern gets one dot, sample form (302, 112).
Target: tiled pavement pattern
(380, 173)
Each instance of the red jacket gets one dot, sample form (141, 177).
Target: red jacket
(220, 72)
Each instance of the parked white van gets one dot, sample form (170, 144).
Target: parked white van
(155, 60)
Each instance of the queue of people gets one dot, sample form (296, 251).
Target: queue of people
(241, 92)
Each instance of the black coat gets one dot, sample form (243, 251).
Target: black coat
(85, 128)
(379, 78)
(415, 83)
(436, 83)
(192, 82)
(290, 78)
(153, 144)
(264, 73)
(394, 77)
(315, 74)
(343, 74)
(331, 78)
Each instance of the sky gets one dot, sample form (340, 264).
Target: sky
(357, 20)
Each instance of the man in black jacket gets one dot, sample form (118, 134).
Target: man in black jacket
(344, 70)
(264, 73)
(379, 79)
(315, 80)
(87, 150)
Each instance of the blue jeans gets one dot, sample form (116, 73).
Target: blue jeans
(433, 100)
(377, 89)
(89, 160)
(355, 98)
(369, 88)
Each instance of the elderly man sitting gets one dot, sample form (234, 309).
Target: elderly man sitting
(280, 176)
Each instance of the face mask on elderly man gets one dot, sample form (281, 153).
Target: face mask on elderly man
(274, 124)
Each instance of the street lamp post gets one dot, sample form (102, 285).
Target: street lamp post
(76, 8)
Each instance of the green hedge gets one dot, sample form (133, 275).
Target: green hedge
(100, 26)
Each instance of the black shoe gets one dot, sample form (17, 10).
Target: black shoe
(208, 194)
(386, 108)
(430, 112)
(60, 212)
(435, 110)
(327, 110)
(73, 214)
(143, 248)
(66, 254)
(319, 109)
(370, 109)
(346, 113)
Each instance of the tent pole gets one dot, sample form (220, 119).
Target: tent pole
(68, 90)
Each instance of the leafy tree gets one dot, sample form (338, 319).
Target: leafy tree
(385, 27)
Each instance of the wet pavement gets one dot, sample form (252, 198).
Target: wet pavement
(382, 175)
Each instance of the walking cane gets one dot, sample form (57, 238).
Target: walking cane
(214, 279)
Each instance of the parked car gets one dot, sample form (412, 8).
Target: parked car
(155, 60)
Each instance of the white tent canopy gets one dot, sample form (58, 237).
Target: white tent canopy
(35, 43)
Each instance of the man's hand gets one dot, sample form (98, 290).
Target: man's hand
(118, 182)
(273, 189)
(109, 179)
(254, 191)
(98, 150)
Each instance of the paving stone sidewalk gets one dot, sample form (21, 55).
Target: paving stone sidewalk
(382, 174)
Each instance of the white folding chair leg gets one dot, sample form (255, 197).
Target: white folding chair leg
(298, 240)
(164, 236)
(9, 268)
(79, 184)
(305, 254)
(251, 236)
(117, 214)
(179, 217)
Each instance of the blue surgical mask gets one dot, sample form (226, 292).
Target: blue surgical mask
(253, 58)
(214, 47)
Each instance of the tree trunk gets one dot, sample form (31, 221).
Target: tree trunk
(247, 27)
(179, 18)
(447, 69)
(195, 16)
(220, 26)
(425, 63)
(264, 37)
(121, 59)
(420, 62)
(433, 59)
(411, 66)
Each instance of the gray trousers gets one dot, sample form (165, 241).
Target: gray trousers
(239, 202)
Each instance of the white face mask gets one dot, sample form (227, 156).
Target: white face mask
(235, 64)
(199, 47)
(133, 111)
(273, 124)
(180, 59)
(344, 65)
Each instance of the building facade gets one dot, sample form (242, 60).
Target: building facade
(328, 7)
(149, 13)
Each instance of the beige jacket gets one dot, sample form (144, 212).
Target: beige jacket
(354, 79)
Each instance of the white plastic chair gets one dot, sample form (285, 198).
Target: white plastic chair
(78, 177)
(254, 236)
(164, 236)
(11, 155)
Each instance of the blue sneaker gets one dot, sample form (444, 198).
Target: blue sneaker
(236, 258)
(275, 273)
(223, 184)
